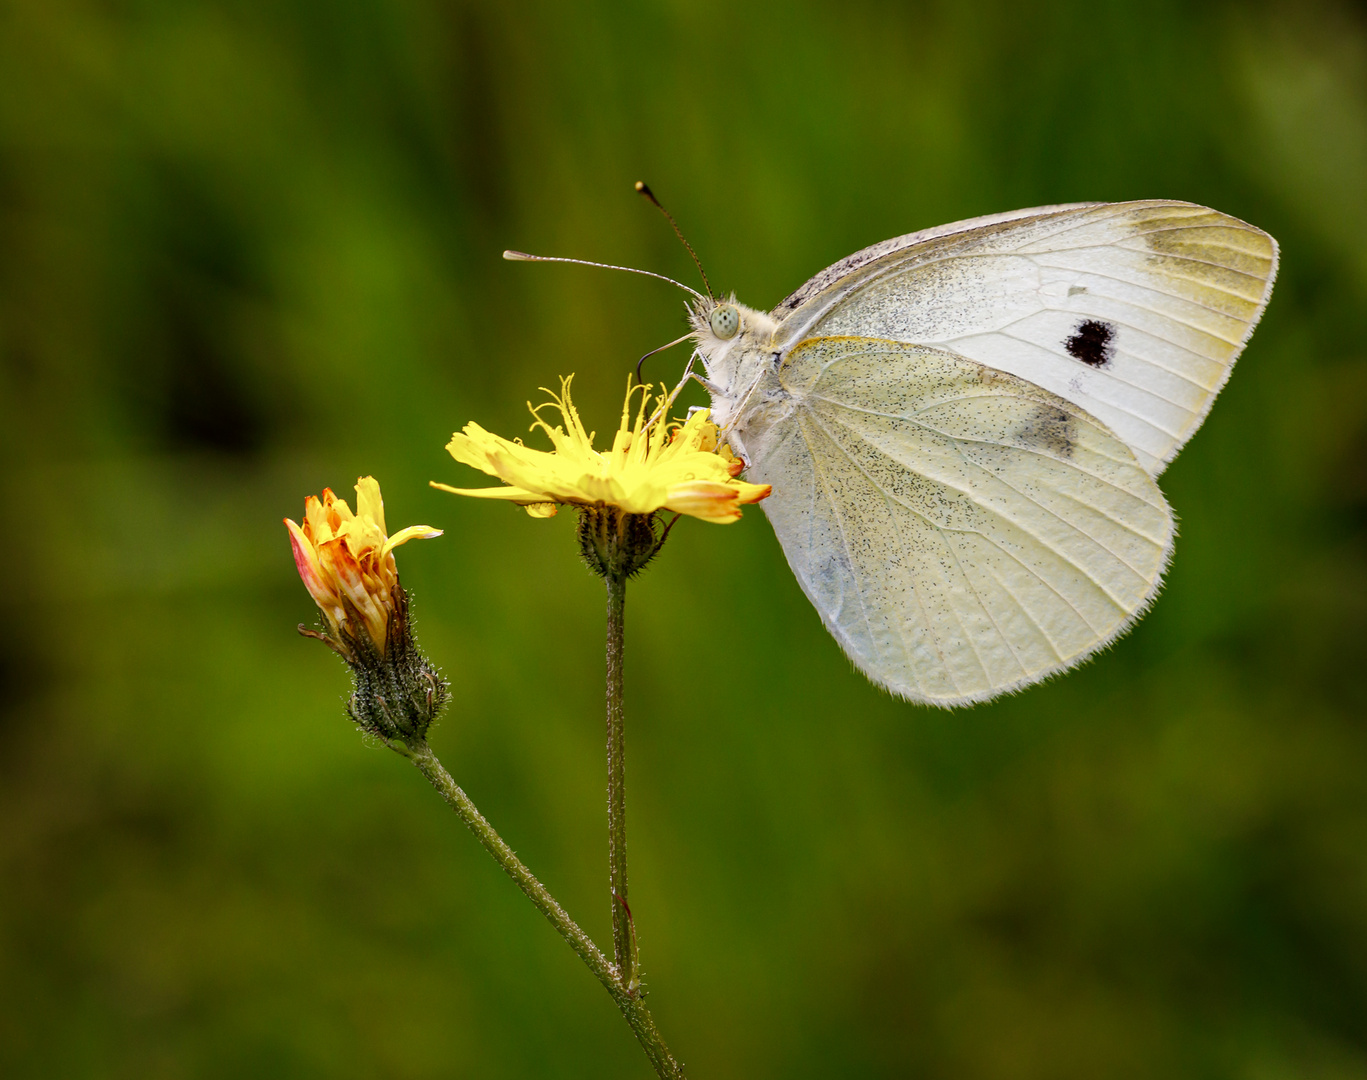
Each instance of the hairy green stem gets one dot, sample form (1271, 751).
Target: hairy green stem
(623, 944)
(628, 1000)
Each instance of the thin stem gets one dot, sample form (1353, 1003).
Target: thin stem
(624, 954)
(628, 1001)
(567, 928)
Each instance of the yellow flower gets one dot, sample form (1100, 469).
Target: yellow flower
(653, 464)
(347, 563)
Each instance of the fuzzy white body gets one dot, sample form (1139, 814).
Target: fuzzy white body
(963, 429)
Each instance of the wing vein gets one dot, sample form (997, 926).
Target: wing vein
(1126, 352)
(1131, 385)
(990, 617)
(916, 591)
(1072, 525)
(845, 540)
(1028, 498)
(988, 442)
(1164, 292)
(1025, 610)
(978, 532)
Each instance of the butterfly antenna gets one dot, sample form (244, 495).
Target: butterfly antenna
(644, 189)
(522, 256)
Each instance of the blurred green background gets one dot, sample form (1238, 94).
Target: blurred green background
(250, 249)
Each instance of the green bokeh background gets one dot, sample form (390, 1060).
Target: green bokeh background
(250, 249)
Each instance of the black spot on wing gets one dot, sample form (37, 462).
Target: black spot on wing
(1092, 343)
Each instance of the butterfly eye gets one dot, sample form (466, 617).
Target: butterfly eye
(725, 321)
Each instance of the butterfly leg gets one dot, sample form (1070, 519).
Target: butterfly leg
(744, 400)
(688, 374)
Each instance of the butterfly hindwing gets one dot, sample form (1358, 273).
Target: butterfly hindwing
(1134, 311)
(961, 531)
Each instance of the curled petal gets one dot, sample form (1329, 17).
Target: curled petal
(413, 532)
(753, 493)
(369, 504)
(335, 510)
(714, 501)
(704, 499)
(316, 519)
(306, 562)
(342, 568)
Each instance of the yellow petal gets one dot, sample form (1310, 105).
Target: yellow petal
(369, 504)
(316, 525)
(511, 494)
(472, 446)
(752, 493)
(705, 499)
(413, 532)
(336, 508)
(306, 562)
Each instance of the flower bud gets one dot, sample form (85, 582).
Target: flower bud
(347, 564)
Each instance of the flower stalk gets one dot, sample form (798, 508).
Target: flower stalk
(623, 932)
(628, 999)
(616, 544)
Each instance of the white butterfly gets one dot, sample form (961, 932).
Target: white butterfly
(962, 428)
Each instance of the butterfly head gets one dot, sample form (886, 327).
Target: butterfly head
(725, 331)
(732, 339)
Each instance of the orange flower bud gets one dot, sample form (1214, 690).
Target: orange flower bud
(346, 562)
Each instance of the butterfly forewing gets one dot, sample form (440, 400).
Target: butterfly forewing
(961, 531)
(1133, 311)
(836, 279)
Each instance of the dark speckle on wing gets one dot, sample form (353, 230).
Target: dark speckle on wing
(1049, 430)
(1092, 343)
